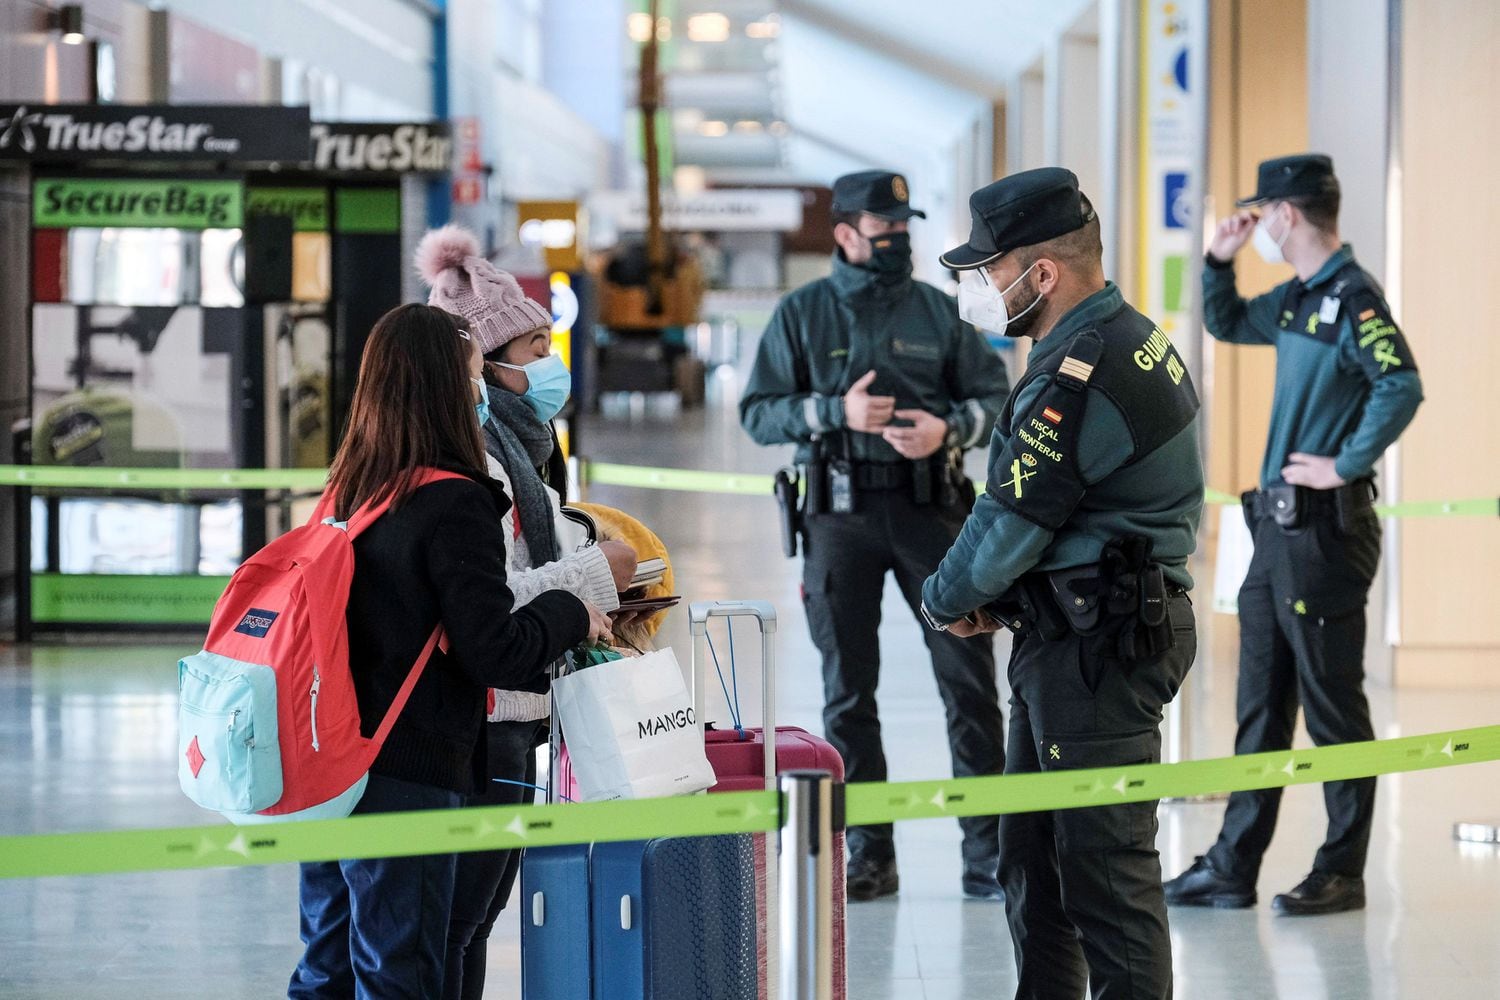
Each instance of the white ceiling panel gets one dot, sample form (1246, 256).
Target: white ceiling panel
(984, 40)
(862, 102)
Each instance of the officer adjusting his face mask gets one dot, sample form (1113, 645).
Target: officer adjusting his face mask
(1346, 388)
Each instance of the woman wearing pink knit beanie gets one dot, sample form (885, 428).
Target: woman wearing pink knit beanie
(463, 282)
(524, 386)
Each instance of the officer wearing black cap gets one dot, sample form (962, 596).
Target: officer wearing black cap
(1346, 387)
(881, 387)
(1079, 545)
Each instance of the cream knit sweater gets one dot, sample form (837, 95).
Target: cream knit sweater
(583, 571)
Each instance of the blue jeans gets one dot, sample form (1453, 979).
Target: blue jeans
(375, 927)
(485, 878)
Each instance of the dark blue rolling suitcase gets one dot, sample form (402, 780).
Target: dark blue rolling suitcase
(670, 919)
(674, 919)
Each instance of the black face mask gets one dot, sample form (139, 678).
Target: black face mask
(890, 255)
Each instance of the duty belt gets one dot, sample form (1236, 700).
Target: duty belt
(882, 476)
(1286, 503)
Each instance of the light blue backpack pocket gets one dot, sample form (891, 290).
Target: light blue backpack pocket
(228, 756)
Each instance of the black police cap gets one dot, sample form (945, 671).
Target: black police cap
(1297, 176)
(1021, 210)
(878, 192)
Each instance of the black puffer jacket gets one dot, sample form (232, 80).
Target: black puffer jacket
(441, 557)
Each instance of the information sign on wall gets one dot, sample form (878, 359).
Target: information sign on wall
(1168, 151)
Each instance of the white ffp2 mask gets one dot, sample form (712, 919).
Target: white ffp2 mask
(1268, 246)
(982, 304)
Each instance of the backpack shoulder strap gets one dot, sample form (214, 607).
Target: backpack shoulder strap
(369, 514)
(438, 640)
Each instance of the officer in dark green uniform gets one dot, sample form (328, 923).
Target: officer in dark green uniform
(1346, 387)
(879, 385)
(1080, 545)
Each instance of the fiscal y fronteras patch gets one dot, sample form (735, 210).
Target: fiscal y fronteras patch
(257, 622)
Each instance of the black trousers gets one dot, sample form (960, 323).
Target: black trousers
(484, 879)
(1302, 641)
(843, 578)
(1083, 886)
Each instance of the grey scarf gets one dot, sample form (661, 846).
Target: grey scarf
(521, 443)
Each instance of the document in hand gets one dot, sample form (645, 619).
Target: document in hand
(649, 604)
(649, 573)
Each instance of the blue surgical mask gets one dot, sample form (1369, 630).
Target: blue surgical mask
(482, 408)
(548, 385)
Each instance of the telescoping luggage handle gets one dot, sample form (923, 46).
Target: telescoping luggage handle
(764, 613)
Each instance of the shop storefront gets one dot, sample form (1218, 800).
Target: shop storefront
(202, 283)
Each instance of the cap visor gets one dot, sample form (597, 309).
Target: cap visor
(898, 214)
(966, 258)
(1252, 201)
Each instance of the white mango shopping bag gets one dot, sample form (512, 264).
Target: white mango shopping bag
(630, 729)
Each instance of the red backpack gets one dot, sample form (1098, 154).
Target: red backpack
(268, 723)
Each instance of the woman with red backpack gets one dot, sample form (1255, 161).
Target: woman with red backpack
(376, 927)
(527, 387)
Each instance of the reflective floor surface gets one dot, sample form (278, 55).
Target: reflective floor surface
(87, 742)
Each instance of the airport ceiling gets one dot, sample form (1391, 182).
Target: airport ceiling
(764, 90)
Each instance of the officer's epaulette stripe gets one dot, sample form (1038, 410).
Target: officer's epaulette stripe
(1075, 369)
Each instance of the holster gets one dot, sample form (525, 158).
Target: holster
(1287, 505)
(939, 480)
(787, 498)
(1350, 500)
(922, 481)
(1028, 606)
(1121, 602)
(1152, 635)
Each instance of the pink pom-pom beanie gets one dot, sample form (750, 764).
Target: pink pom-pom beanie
(465, 283)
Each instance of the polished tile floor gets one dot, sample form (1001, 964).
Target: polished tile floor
(87, 742)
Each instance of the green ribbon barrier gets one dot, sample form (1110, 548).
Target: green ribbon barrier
(1482, 507)
(1220, 498)
(1063, 789)
(441, 831)
(595, 473)
(458, 830)
(683, 480)
(94, 478)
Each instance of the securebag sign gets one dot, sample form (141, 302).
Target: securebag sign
(65, 202)
(631, 730)
(71, 133)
